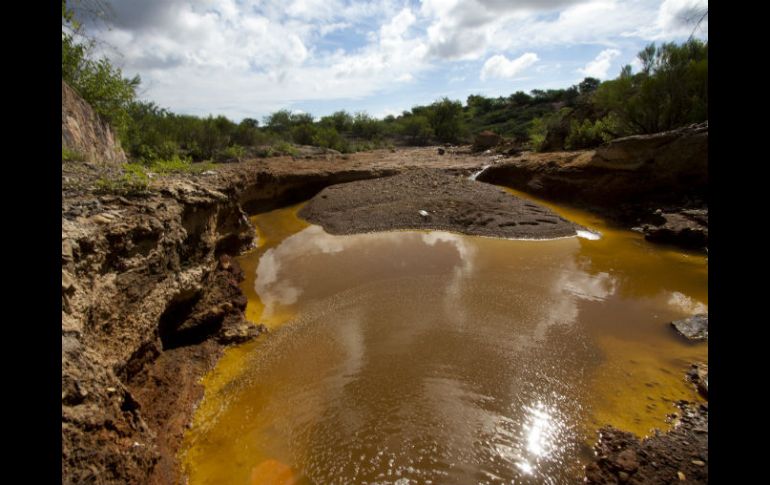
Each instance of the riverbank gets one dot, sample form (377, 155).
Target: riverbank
(150, 297)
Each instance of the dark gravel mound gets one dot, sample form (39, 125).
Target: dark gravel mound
(431, 199)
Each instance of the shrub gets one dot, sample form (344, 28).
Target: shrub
(417, 129)
(236, 152)
(590, 134)
(285, 148)
(328, 137)
(303, 134)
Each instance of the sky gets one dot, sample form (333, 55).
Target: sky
(249, 58)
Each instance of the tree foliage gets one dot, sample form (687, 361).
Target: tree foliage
(97, 81)
(670, 91)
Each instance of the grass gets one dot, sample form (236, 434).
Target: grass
(135, 178)
(68, 155)
(133, 181)
(177, 164)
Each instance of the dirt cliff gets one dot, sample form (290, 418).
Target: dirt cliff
(85, 132)
(633, 180)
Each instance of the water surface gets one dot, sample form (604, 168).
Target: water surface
(432, 357)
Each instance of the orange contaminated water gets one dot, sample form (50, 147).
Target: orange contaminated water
(416, 357)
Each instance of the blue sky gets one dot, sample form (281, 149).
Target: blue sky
(248, 58)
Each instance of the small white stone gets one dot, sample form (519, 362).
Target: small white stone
(423, 213)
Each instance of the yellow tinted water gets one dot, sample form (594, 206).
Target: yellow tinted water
(431, 357)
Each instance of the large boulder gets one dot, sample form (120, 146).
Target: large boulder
(85, 133)
(685, 228)
(695, 327)
(485, 140)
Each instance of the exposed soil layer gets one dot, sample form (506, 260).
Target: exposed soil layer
(657, 182)
(431, 199)
(678, 456)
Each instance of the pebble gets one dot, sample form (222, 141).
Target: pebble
(681, 476)
(698, 463)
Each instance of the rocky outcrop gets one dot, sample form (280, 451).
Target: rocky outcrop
(685, 228)
(628, 179)
(85, 133)
(695, 327)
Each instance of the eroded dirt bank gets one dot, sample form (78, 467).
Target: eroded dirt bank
(655, 183)
(150, 298)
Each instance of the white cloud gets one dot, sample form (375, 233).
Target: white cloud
(680, 17)
(598, 67)
(500, 67)
(249, 57)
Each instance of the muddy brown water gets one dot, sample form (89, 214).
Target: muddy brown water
(432, 357)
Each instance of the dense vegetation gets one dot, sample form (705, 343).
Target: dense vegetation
(671, 90)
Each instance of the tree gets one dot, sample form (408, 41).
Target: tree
(97, 81)
(445, 118)
(588, 85)
(670, 91)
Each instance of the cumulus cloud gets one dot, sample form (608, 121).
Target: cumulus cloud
(598, 67)
(250, 57)
(500, 67)
(680, 17)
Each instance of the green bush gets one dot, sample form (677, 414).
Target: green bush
(100, 83)
(366, 127)
(588, 134)
(303, 134)
(328, 137)
(417, 128)
(285, 148)
(232, 152)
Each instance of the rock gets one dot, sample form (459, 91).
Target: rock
(686, 228)
(699, 375)
(657, 459)
(83, 131)
(695, 327)
(486, 140)
(441, 151)
(240, 333)
(627, 460)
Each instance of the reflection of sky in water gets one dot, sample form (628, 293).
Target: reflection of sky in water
(419, 357)
(532, 426)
